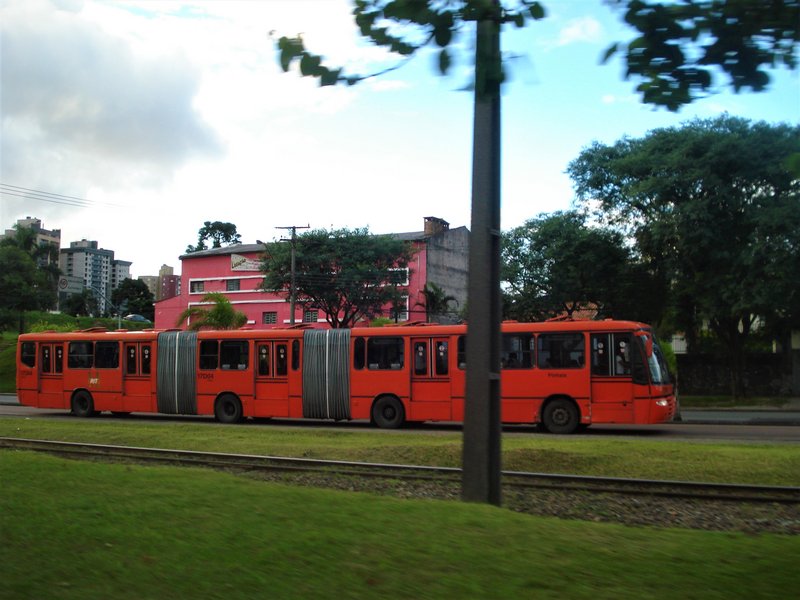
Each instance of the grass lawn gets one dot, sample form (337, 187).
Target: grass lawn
(74, 529)
(762, 463)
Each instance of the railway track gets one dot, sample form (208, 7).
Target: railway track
(740, 493)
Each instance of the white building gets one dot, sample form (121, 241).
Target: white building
(98, 269)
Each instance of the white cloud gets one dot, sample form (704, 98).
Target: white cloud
(581, 30)
(85, 98)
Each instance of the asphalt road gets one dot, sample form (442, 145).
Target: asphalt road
(735, 425)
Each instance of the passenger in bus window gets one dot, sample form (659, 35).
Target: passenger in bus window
(623, 365)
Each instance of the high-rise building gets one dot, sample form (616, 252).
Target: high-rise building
(101, 273)
(44, 237)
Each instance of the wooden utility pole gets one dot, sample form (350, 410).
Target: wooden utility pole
(482, 430)
(293, 284)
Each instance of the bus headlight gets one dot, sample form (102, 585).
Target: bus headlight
(662, 402)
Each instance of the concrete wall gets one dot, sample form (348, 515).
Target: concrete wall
(448, 265)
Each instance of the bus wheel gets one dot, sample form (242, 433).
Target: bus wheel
(228, 409)
(560, 416)
(388, 412)
(83, 405)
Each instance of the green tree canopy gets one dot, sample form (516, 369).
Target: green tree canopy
(135, 297)
(81, 305)
(437, 302)
(557, 264)
(349, 274)
(220, 315)
(218, 233)
(715, 203)
(28, 274)
(681, 47)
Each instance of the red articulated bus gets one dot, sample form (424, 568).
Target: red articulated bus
(563, 375)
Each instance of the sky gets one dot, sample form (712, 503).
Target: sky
(133, 122)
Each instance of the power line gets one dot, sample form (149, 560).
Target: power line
(32, 194)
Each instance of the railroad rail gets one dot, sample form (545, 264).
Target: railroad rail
(511, 479)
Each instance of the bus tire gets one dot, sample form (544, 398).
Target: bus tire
(82, 404)
(228, 409)
(561, 416)
(388, 412)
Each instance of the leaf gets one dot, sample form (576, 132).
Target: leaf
(610, 51)
(444, 61)
(309, 64)
(442, 34)
(537, 11)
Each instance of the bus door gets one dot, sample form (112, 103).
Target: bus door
(430, 379)
(51, 376)
(137, 387)
(272, 379)
(612, 382)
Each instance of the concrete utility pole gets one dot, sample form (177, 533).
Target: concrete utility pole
(482, 431)
(293, 286)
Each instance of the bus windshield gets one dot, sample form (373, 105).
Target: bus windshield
(656, 362)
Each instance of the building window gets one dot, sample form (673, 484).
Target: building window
(196, 287)
(400, 310)
(232, 285)
(310, 316)
(269, 318)
(398, 276)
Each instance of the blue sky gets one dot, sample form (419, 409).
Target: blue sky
(162, 115)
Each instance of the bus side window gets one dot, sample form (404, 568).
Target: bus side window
(130, 360)
(561, 351)
(263, 359)
(80, 355)
(46, 364)
(28, 354)
(461, 351)
(359, 353)
(106, 355)
(622, 353)
(209, 354)
(420, 358)
(385, 353)
(281, 360)
(233, 355)
(59, 359)
(517, 351)
(295, 355)
(146, 359)
(441, 358)
(601, 359)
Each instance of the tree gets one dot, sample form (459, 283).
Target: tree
(347, 274)
(135, 297)
(437, 302)
(23, 285)
(557, 264)
(221, 315)
(218, 232)
(716, 205)
(81, 305)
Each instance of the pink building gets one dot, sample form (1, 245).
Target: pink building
(441, 256)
